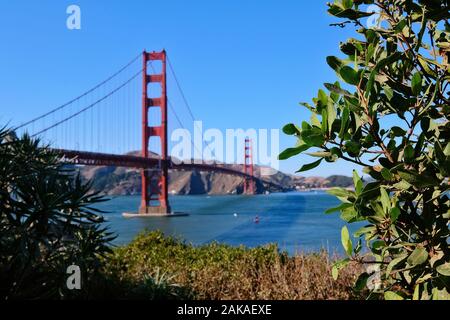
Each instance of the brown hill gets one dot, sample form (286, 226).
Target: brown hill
(124, 181)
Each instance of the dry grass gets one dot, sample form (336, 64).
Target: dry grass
(300, 277)
(223, 272)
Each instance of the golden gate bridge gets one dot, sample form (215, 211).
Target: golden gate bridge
(98, 128)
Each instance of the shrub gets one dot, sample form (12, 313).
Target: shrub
(47, 223)
(391, 116)
(218, 271)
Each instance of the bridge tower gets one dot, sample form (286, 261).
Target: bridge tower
(154, 181)
(249, 182)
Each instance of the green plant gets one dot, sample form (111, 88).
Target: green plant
(390, 116)
(47, 223)
(153, 266)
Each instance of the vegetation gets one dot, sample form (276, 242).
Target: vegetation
(47, 223)
(217, 271)
(391, 116)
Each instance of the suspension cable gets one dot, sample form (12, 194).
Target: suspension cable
(185, 99)
(176, 115)
(80, 96)
(89, 106)
(179, 88)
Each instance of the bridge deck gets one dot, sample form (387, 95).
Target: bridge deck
(104, 159)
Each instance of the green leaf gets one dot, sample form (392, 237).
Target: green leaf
(447, 150)
(418, 180)
(398, 132)
(387, 174)
(306, 126)
(338, 265)
(440, 294)
(385, 200)
(341, 207)
(314, 120)
(424, 63)
(390, 295)
(308, 106)
(388, 92)
(361, 282)
(349, 75)
(444, 269)
(344, 120)
(351, 14)
(364, 230)
(416, 83)
(331, 115)
(409, 154)
(357, 182)
(346, 241)
(418, 256)
(348, 4)
(352, 148)
(394, 213)
(402, 185)
(336, 89)
(349, 215)
(323, 97)
(290, 152)
(310, 166)
(335, 63)
(319, 154)
(340, 192)
(313, 137)
(324, 127)
(394, 262)
(416, 295)
(381, 64)
(334, 273)
(291, 129)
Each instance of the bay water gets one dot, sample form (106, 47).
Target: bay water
(295, 221)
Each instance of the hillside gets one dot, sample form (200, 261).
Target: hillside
(124, 181)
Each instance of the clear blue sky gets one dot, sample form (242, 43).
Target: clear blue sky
(242, 64)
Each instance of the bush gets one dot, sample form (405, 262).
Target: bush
(217, 271)
(47, 223)
(391, 116)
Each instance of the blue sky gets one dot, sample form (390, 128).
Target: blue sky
(242, 64)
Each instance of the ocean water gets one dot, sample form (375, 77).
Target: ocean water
(295, 220)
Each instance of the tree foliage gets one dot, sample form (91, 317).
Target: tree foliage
(389, 113)
(47, 223)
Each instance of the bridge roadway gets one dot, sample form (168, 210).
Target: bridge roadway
(130, 161)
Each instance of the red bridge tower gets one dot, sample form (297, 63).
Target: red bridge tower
(249, 182)
(154, 181)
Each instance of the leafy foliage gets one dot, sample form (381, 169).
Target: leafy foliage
(179, 270)
(47, 223)
(395, 71)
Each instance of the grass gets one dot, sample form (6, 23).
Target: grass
(157, 267)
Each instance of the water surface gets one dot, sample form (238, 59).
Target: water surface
(296, 220)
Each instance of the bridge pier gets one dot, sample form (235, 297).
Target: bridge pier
(154, 215)
(155, 210)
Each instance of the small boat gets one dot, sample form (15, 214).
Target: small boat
(256, 219)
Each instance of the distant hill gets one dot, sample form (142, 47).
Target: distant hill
(125, 181)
